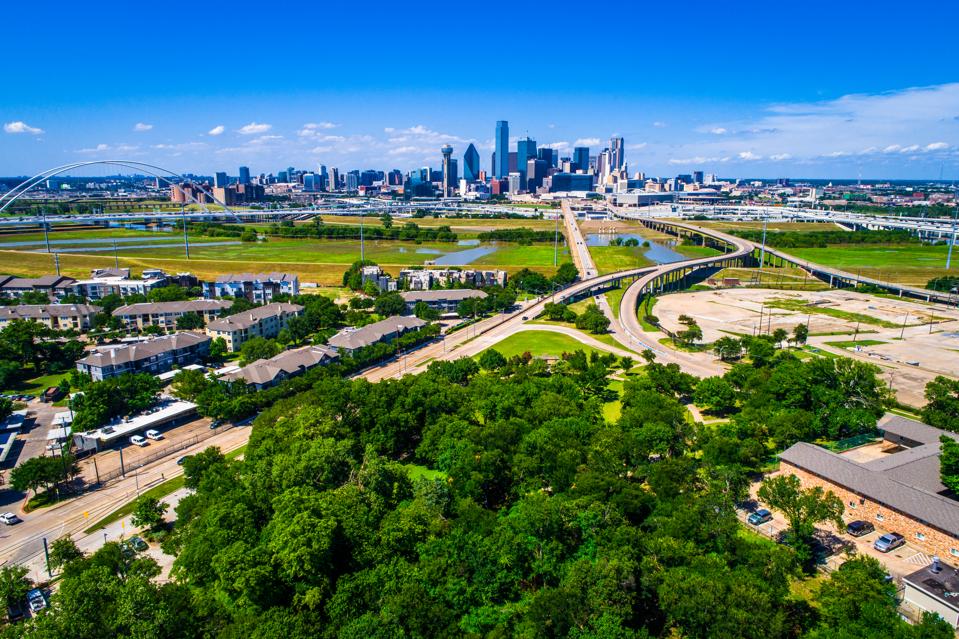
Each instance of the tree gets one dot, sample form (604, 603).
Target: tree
(491, 360)
(760, 352)
(148, 512)
(14, 585)
(559, 312)
(248, 235)
(942, 403)
(353, 277)
(949, 463)
(64, 551)
(566, 274)
(592, 320)
(803, 509)
(40, 472)
(195, 467)
(386, 220)
(716, 394)
(425, 312)
(188, 384)
(218, 349)
(390, 304)
(800, 333)
(258, 348)
(190, 322)
(728, 348)
(692, 333)
(171, 293)
(779, 336)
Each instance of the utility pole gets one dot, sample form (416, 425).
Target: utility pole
(903, 331)
(952, 241)
(556, 242)
(186, 237)
(361, 235)
(56, 262)
(116, 258)
(762, 250)
(46, 230)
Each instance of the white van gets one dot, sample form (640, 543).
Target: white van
(137, 440)
(154, 435)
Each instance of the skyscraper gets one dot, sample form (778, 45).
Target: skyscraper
(220, 179)
(525, 149)
(334, 179)
(547, 155)
(244, 175)
(471, 164)
(617, 153)
(447, 152)
(501, 170)
(581, 158)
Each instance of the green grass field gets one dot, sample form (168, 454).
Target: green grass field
(615, 298)
(540, 343)
(416, 471)
(801, 306)
(913, 264)
(609, 259)
(852, 344)
(36, 385)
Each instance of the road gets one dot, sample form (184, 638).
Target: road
(580, 251)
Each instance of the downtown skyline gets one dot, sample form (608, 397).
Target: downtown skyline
(680, 103)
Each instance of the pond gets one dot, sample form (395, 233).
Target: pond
(659, 253)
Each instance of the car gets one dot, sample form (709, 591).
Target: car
(37, 600)
(9, 519)
(138, 440)
(859, 528)
(180, 461)
(155, 435)
(889, 541)
(216, 423)
(525, 317)
(138, 544)
(759, 517)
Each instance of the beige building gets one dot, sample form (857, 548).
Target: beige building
(165, 314)
(263, 321)
(61, 317)
(264, 373)
(897, 491)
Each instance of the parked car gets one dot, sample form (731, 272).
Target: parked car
(138, 440)
(759, 517)
(859, 528)
(9, 519)
(155, 435)
(37, 600)
(889, 541)
(138, 544)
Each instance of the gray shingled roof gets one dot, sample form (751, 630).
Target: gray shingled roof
(436, 295)
(142, 350)
(908, 488)
(292, 362)
(246, 319)
(910, 429)
(188, 306)
(251, 277)
(358, 338)
(44, 311)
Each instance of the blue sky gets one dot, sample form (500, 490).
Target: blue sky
(738, 89)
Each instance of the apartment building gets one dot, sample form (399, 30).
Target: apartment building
(166, 314)
(350, 340)
(259, 288)
(263, 321)
(264, 373)
(442, 300)
(60, 317)
(55, 286)
(152, 356)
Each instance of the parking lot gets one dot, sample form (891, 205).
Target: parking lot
(107, 462)
(899, 562)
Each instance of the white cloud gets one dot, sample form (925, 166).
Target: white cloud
(659, 125)
(140, 127)
(557, 146)
(937, 146)
(586, 142)
(21, 127)
(104, 148)
(748, 156)
(637, 146)
(779, 157)
(404, 150)
(718, 130)
(254, 128)
(217, 130)
(912, 148)
(311, 129)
